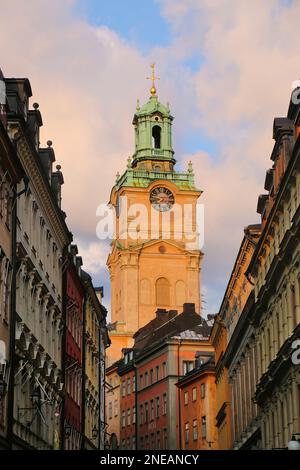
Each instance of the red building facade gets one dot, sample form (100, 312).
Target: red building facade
(74, 352)
(163, 352)
(128, 417)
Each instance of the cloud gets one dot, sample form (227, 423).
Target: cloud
(87, 79)
(249, 54)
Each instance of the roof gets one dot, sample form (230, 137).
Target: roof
(188, 325)
(205, 366)
(152, 106)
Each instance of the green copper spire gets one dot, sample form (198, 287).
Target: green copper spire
(153, 158)
(153, 130)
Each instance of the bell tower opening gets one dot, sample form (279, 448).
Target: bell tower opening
(156, 131)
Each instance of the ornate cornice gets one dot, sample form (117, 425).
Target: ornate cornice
(38, 180)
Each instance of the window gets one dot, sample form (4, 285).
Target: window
(186, 398)
(128, 386)
(123, 419)
(164, 403)
(194, 394)
(152, 441)
(116, 407)
(164, 369)
(123, 388)
(146, 412)
(146, 379)
(157, 373)
(110, 410)
(162, 288)
(133, 443)
(186, 432)
(187, 366)
(133, 415)
(133, 384)
(141, 382)
(157, 407)
(128, 417)
(203, 427)
(156, 131)
(195, 430)
(141, 415)
(202, 390)
(151, 376)
(165, 439)
(158, 440)
(151, 410)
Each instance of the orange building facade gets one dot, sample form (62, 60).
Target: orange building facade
(233, 340)
(196, 428)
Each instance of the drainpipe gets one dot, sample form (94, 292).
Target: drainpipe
(179, 395)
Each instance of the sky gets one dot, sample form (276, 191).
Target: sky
(226, 68)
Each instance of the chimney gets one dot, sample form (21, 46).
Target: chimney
(189, 308)
(18, 92)
(160, 311)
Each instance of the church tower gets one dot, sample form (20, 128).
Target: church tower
(155, 259)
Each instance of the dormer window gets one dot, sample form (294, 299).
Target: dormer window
(156, 131)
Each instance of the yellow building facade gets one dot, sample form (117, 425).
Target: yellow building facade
(155, 258)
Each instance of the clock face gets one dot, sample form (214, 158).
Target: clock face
(161, 199)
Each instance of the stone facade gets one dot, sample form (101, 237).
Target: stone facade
(10, 174)
(42, 237)
(275, 272)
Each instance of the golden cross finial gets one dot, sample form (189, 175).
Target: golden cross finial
(153, 78)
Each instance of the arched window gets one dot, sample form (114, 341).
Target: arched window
(162, 289)
(156, 131)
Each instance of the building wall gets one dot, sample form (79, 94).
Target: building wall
(128, 413)
(153, 429)
(197, 407)
(91, 372)
(8, 181)
(41, 238)
(73, 366)
(223, 393)
(113, 403)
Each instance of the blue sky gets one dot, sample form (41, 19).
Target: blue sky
(138, 21)
(141, 24)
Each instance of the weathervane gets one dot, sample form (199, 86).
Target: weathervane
(153, 78)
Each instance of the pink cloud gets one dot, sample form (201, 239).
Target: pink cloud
(87, 79)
